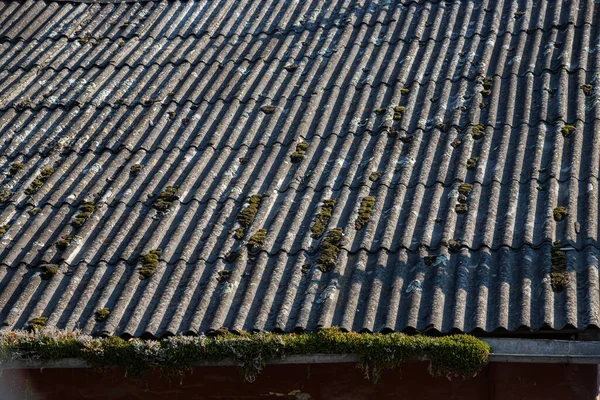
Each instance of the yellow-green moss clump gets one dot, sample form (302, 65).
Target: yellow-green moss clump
(268, 109)
(86, 210)
(487, 86)
(300, 152)
(399, 112)
(374, 176)
(364, 212)
(257, 241)
(64, 242)
(247, 215)
(5, 195)
(478, 131)
(404, 91)
(48, 271)
(39, 181)
(330, 249)
(588, 89)
(460, 356)
(102, 314)
(150, 263)
(135, 169)
(15, 167)
(38, 323)
(472, 162)
(559, 278)
(461, 208)
(560, 213)
(322, 219)
(567, 130)
(3, 229)
(166, 198)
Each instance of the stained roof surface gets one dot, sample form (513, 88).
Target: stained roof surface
(127, 128)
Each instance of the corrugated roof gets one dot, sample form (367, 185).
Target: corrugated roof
(182, 92)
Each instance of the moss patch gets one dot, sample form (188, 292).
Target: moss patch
(560, 213)
(380, 111)
(461, 208)
(257, 241)
(86, 210)
(3, 229)
(364, 212)
(64, 242)
(5, 195)
(451, 356)
(322, 219)
(456, 143)
(399, 112)
(39, 181)
(247, 215)
(150, 263)
(102, 314)
(588, 89)
(404, 91)
(330, 249)
(454, 245)
(465, 188)
(567, 130)
(472, 162)
(559, 278)
(166, 198)
(300, 152)
(135, 169)
(268, 109)
(38, 323)
(243, 160)
(223, 275)
(48, 271)
(478, 131)
(375, 176)
(15, 167)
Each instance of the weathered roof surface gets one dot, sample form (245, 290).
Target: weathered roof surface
(180, 87)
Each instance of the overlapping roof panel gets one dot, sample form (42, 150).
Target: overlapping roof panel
(499, 95)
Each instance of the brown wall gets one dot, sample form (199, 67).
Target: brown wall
(303, 382)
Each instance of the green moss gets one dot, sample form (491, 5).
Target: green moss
(330, 249)
(102, 314)
(472, 162)
(551, 90)
(172, 114)
(300, 152)
(121, 43)
(24, 104)
(291, 67)
(64, 242)
(5, 195)
(48, 271)
(450, 356)
(86, 210)
(3, 229)
(364, 212)
(223, 275)
(559, 278)
(399, 109)
(39, 181)
(135, 169)
(38, 323)
(588, 89)
(268, 109)
(567, 130)
(478, 131)
(375, 176)
(257, 241)
(34, 211)
(166, 198)
(247, 215)
(560, 213)
(380, 111)
(461, 208)
(322, 219)
(486, 93)
(456, 143)
(15, 167)
(465, 188)
(243, 160)
(404, 91)
(150, 263)
(482, 106)
(454, 245)
(488, 82)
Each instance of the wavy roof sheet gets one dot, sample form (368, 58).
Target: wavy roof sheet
(179, 90)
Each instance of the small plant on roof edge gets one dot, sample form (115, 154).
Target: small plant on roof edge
(150, 263)
(559, 278)
(322, 218)
(560, 213)
(300, 152)
(257, 241)
(15, 167)
(86, 210)
(247, 215)
(330, 249)
(3, 229)
(102, 314)
(364, 212)
(37, 324)
(39, 181)
(166, 198)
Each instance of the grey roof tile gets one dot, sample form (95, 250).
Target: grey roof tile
(180, 89)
